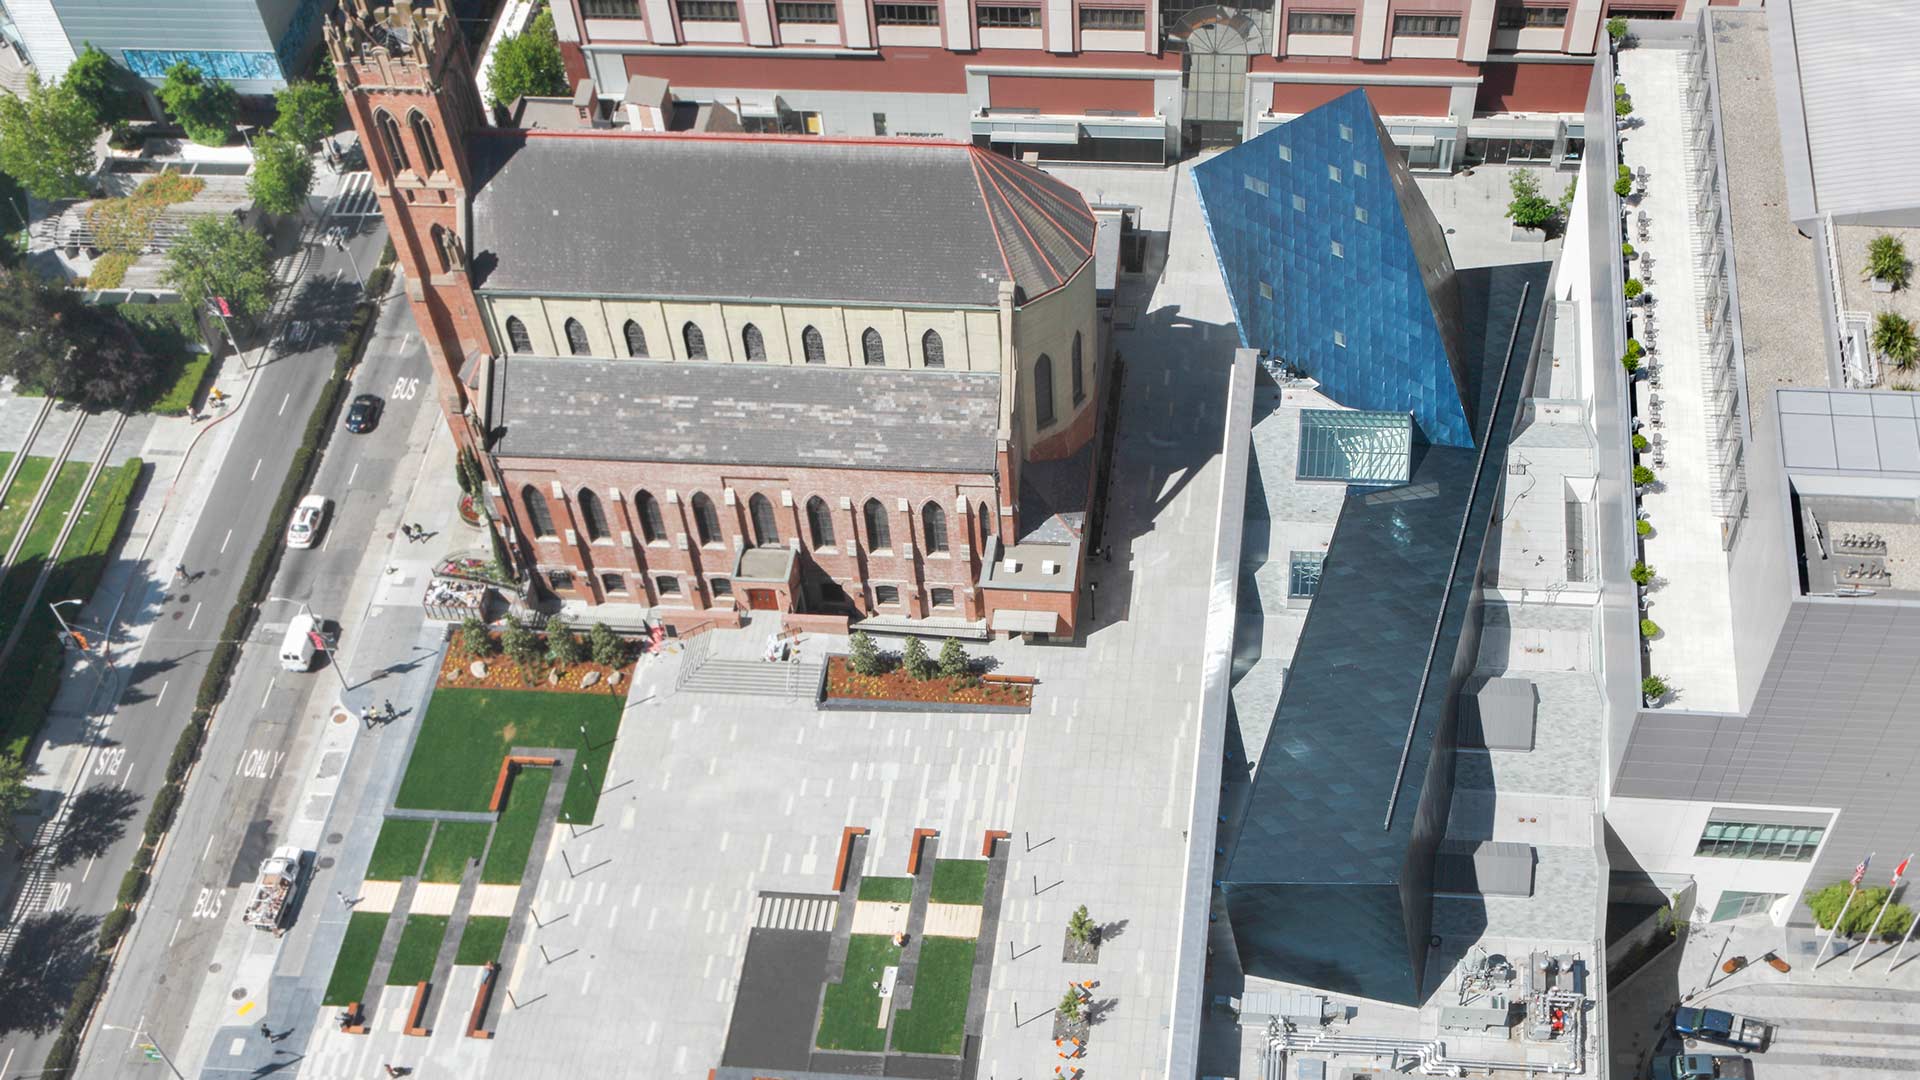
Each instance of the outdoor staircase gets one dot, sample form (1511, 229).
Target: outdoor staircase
(755, 678)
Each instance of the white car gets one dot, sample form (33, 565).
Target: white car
(308, 519)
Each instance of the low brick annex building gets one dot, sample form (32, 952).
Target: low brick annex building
(715, 373)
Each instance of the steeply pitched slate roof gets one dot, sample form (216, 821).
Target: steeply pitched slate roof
(745, 217)
(744, 414)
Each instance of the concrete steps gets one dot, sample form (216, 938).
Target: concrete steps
(755, 678)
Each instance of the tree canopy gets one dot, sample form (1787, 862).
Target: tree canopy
(204, 107)
(93, 77)
(46, 140)
(282, 174)
(527, 64)
(218, 256)
(306, 110)
(57, 343)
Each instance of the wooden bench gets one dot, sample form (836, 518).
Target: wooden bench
(507, 766)
(356, 1021)
(846, 849)
(418, 1012)
(987, 842)
(1011, 680)
(913, 852)
(480, 999)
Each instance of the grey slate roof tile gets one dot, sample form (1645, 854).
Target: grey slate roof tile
(744, 414)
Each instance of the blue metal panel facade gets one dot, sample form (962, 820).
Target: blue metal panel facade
(254, 44)
(1336, 265)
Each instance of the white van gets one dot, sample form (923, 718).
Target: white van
(296, 649)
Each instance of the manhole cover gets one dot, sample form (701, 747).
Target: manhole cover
(179, 615)
(213, 969)
(333, 838)
(239, 992)
(325, 862)
(339, 717)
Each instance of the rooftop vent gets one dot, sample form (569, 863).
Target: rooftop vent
(1011, 566)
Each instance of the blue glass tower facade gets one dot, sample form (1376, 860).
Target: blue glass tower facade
(1336, 265)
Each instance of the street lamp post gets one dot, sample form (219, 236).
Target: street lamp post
(333, 655)
(151, 1043)
(64, 628)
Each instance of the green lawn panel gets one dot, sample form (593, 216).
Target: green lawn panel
(959, 881)
(455, 843)
(170, 335)
(419, 947)
(354, 965)
(937, 1022)
(467, 733)
(898, 890)
(42, 532)
(397, 853)
(513, 837)
(480, 942)
(18, 498)
(850, 1013)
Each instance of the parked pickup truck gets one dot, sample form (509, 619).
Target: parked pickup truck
(1720, 1026)
(1701, 1067)
(280, 875)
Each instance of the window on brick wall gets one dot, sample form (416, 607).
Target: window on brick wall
(709, 11)
(872, 348)
(667, 585)
(636, 339)
(593, 516)
(754, 343)
(1113, 18)
(941, 598)
(933, 528)
(517, 338)
(611, 9)
(390, 139)
(1043, 391)
(1320, 22)
(766, 529)
(423, 138)
(820, 522)
(906, 14)
(813, 346)
(1079, 375)
(806, 13)
(1517, 17)
(577, 338)
(1426, 26)
(706, 520)
(1009, 17)
(696, 342)
(886, 594)
(560, 580)
(720, 586)
(539, 517)
(653, 527)
(879, 535)
(933, 351)
(613, 583)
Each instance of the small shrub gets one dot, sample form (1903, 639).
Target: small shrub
(953, 660)
(114, 927)
(109, 270)
(1619, 89)
(864, 655)
(1648, 628)
(1617, 29)
(1893, 338)
(1641, 573)
(1634, 288)
(1622, 107)
(563, 646)
(476, 641)
(1640, 443)
(1635, 349)
(915, 660)
(185, 750)
(165, 802)
(1528, 208)
(1643, 527)
(1630, 362)
(1623, 187)
(1653, 688)
(133, 885)
(1070, 1006)
(607, 648)
(143, 858)
(1827, 903)
(1626, 250)
(521, 644)
(1887, 260)
(1080, 927)
(1626, 173)
(1642, 476)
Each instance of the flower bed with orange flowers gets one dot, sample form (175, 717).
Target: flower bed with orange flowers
(456, 669)
(848, 689)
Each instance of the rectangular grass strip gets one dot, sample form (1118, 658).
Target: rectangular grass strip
(16, 499)
(42, 532)
(467, 732)
(513, 836)
(455, 843)
(944, 980)
(850, 1013)
(354, 964)
(419, 947)
(397, 853)
(480, 942)
(959, 881)
(896, 890)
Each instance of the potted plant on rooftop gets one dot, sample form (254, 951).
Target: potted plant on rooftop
(1887, 266)
(1530, 211)
(1893, 339)
(1653, 689)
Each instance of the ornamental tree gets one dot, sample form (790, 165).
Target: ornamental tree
(54, 342)
(527, 64)
(46, 140)
(204, 107)
(93, 77)
(1528, 208)
(218, 256)
(864, 656)
(306, 111)
(282, 175)
(915, 660)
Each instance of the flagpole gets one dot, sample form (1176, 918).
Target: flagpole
(1892, 887)
(1859, 872)
(1904, 938)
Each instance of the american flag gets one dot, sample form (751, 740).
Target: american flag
(1860, 871)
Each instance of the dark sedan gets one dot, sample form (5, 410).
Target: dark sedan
(363, 414)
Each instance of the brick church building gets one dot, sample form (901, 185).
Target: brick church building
(715, 373)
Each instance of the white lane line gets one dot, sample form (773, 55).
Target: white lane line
(176, 932)
(268, 694)
(196, 614)
(207, 848)
(283, 404)
(162, 696)
(88, 870)
(255, 474)
(224, 543)
(354, 473)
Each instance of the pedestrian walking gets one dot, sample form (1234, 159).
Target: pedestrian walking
(265, 1031)
(387, 707)
(406, 530)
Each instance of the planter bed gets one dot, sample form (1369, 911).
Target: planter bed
(895, 690)
(504, 674)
